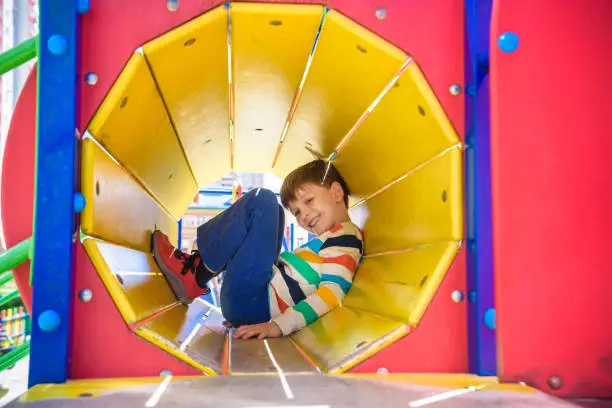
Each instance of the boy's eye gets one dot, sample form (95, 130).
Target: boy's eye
(309, 200)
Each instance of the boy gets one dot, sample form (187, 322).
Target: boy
(266, 293)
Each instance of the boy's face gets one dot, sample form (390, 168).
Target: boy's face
(318, 208)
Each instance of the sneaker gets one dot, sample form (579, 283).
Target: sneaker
(178, 267)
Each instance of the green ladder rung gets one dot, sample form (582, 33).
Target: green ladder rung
(19, 54)
(13, 356)
(7, 298)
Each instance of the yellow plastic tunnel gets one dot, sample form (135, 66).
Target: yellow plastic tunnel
(268, 87)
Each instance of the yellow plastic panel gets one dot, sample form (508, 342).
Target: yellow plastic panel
(190, 66)
(344, 337)
(76, 389)
(271, 44)
(452, 381)
(424, 208)
(132, 278)
(133, 125)
(122, 391)
(118, 208)
(350, 68)
(400, 286)
(253, 357)
(406, 128)
(194, 334)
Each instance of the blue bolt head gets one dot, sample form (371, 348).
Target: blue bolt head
(57, 44)
(79, 202)
(172, 5)
(508, 42)
(82, 6)
(489, 318)
(49, 321)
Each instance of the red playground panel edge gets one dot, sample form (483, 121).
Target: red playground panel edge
(550, 122)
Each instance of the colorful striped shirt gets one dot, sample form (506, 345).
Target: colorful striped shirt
(312, 280)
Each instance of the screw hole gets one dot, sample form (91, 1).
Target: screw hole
(276, 23)
(423, 280)
(207, 141)
(362, 49)
(170, 177)
(189, 42)
(360, 344)
(258, 129)
(97, 187)
(85, 395)
(124, 102)
(421, 111)
(444, 196)
(119, 278)
(396, 85)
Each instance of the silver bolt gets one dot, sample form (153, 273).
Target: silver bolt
(85, 295)
(165, 373)
(91, 78)
(457, 296)
(381, 13)
(455, 89)
(382, 370)
(555, 382)
(172, 5)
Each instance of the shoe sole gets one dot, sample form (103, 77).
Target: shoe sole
(175, 283)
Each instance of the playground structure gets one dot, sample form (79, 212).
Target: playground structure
(397, 95)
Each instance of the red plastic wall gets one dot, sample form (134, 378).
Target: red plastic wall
(18, 181)
(431, 31)
(552, 201)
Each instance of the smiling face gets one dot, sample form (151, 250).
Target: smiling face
(319, 208)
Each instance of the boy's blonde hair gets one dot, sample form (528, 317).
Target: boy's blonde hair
(313, 172)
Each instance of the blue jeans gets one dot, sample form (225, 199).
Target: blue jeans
(245, 240)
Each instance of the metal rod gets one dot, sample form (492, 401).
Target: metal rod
(19, 54)
(15, 255)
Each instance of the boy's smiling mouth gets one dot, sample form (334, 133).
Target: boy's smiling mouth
(314, 222)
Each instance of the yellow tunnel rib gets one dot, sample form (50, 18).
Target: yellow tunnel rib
(271, 44)
(194, 334)
(133, 125)
(385, 289)
(196, 90)
(407, 128)
(119, 209)
(348, 57)
(344, 337)
(132, 278)
(430, 212)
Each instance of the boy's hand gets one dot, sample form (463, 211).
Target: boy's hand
(261, 331)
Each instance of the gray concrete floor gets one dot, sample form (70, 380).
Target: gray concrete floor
(15, 381)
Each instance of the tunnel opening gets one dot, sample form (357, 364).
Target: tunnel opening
(268, 87)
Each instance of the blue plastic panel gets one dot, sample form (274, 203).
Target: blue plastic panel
(55, 185)
(482, 346)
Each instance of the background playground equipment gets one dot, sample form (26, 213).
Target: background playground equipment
(391, 93)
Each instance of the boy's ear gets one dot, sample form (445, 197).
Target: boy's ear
(337, 191)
